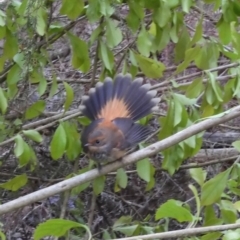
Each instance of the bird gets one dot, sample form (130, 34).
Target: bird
(114, 107)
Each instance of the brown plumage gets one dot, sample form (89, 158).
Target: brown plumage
(113, 108)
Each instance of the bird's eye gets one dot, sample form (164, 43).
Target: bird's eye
(97, 141)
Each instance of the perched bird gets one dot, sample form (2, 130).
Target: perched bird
(114, 107)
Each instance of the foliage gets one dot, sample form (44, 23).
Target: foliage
(28, 31)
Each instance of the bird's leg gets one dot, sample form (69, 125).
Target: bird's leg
(99, 166)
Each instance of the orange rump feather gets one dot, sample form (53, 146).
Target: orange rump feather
(114, 108)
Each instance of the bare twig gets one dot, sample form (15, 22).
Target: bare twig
(184, 232)
(166, 82)
(92, 209)
(208, 163)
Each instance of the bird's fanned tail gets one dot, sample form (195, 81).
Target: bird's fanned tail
(121, 98)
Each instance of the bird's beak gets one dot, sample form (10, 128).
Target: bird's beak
(87, 144)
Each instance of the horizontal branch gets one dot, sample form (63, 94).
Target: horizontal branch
(222, 67)
(132, 158)
(184, 232)
(204, 155)
(45, 123)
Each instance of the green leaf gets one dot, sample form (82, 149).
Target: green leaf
(151, 183)
(72, 9)
(98, 185)
(19, 146)
(186, 5)
(123, 220)
(231, 235)
(58, 143)
(69, 96)
(19, 58)
(106, 235)
(73, 148)
(107, 56)
(113, 33)
(177, 113)
(215, 86)
(27, 155)
(41, 24)
(143, 42)
(213, 189)
(57, 228)
(161, 39)
(162, 14)
(35, 109)
(237, 205)
(195, 88)
(106, 9)
(197, 199)
(42, 86)
(132, 58)
(198, 174)
(84, 121)
(33, 134)
(23, 7)
(54, 87)
(224, 31)
(3, 101)
(2, 235)
(198, 33)
(137, 8)
(15, 183)
(209, 95)
(189, 57)
(144, 169)
(210, 217)
(2, 34)
(93, 10)
(11, 45)
(201, 59)
(152, 4)
(228, 211)
(127, 230)
(182, 45)
(236, 145)
(135, 15)
(80, 56)
(35, 76)
(184, 100)
(14, 75)
(212, 236)
(174, 209)
(2, 18)
(235, 86)
(121, 179)
(95, 34)
(151, 68)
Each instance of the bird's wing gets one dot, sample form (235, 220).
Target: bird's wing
(134, 133)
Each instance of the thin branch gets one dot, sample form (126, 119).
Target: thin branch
(41, 127)
(209, 163)
(229, 127)
(95, 64)
(32, 178)
(185, 232)
(92, 210)
(166, 82)
(130, 159)
(220, 78)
